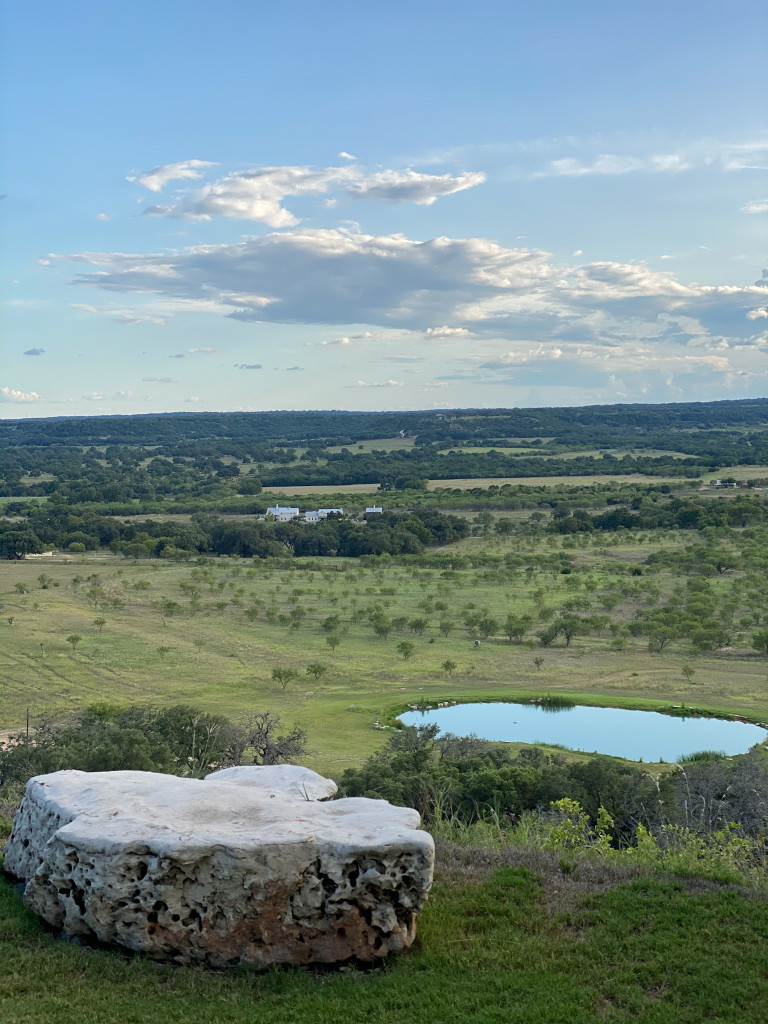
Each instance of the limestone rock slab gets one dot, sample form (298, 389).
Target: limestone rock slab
(248, 866)
(300, 782)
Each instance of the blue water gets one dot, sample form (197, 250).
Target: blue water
(635, 735)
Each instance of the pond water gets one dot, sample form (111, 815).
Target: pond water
(635, 735)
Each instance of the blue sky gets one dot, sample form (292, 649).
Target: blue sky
(405, 205)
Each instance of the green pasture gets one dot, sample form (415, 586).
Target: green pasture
(210, 635)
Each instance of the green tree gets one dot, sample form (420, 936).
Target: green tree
(316, 669)
(487, 626)
(760, 641)
(283, 676)
(162, 651)
(333, 640)
(516, 626)
(100, 623)
(73, 640)
(406, 649)
(449, 667)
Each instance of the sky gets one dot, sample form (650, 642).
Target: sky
(410, 205)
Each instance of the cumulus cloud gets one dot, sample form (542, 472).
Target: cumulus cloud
(34, 352)
(14, 395)
(247, 366)
(258, 194)
(347, 156)
(755, 206)
(462, 295)
(156, 179)
(327, 276)
(447, 332)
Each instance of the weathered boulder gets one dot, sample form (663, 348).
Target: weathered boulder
(252, 865)
(294, 780)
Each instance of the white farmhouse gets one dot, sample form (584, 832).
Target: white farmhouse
(283, 513)
(372, 509)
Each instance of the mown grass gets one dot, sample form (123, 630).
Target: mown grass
(500, 945)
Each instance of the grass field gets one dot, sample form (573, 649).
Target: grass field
(210, 636)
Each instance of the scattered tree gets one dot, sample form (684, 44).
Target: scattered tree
(100, 623)
(449, 667)
(283, 676)
(406, 649)
(73, 640)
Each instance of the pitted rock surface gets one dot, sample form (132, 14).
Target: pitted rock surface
(248, 866)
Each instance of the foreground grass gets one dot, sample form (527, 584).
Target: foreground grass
(494, 945)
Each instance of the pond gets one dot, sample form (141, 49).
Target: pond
(635, 735)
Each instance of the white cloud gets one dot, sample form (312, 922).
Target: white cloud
(156, 179)
(192, 399)
(200, 351)
(411, 186)
(758, 314)
(94, 396)
(447, 332)
(750, 154)
(14, 395)
(326, 276)
(379, 384)
(346, 156)
(445, 293)
(257, 195)
(577, 252)
(103, 216)
(755, 206)
(131, 319)
(120, 315)
(159, 380)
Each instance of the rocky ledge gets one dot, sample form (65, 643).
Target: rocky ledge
(252, 865)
